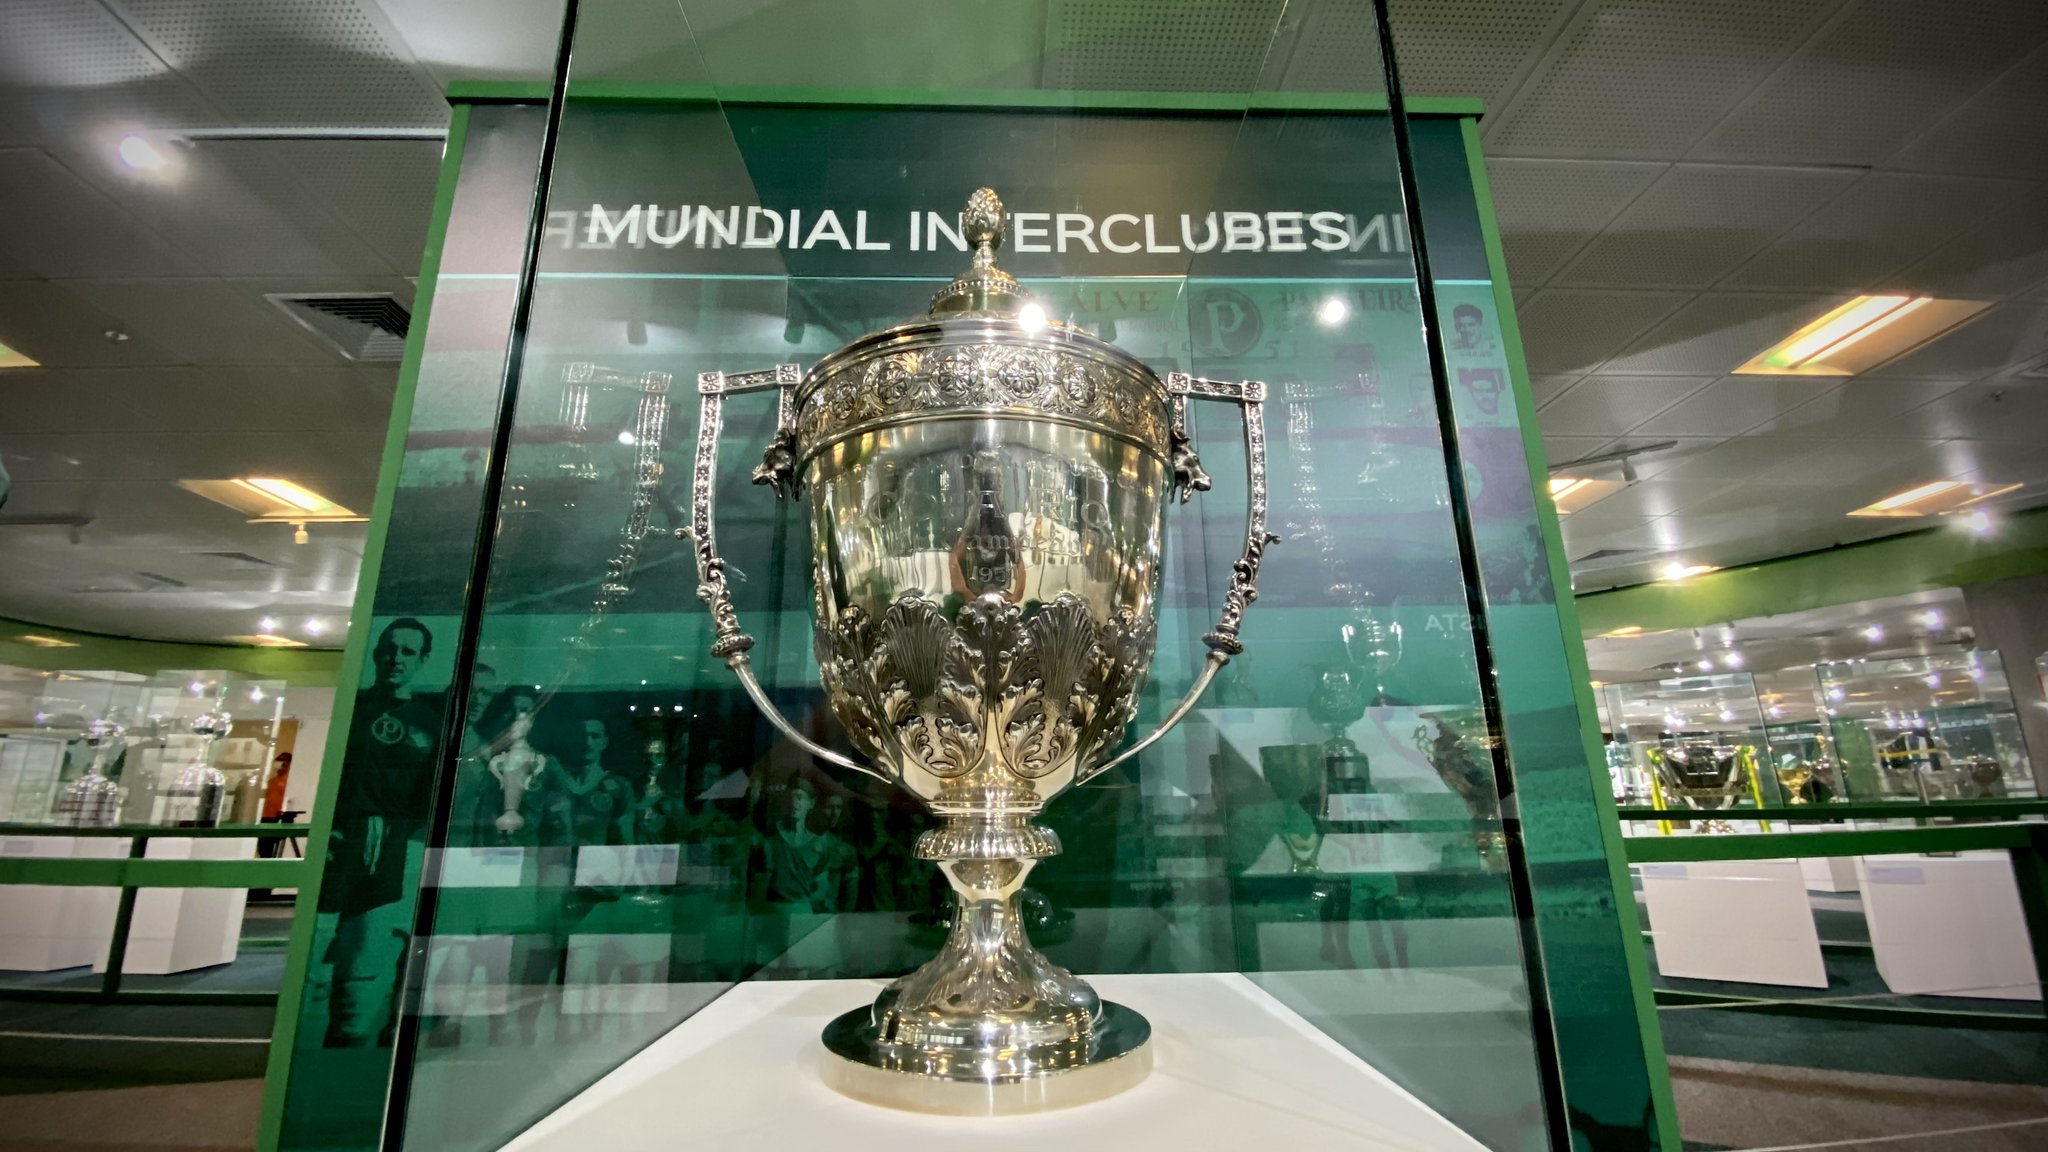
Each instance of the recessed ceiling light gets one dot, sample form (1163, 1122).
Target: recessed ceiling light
(9, 358)
(41, 641)
(270, 500)
(1932, 618)
(1732, 659)
(1860, 335)
(1332, 311)
(1874, 633)
(267, 624)
(1977, 522)
(138, 153)
(1574, 493)
(1934, 497)
(314, 627)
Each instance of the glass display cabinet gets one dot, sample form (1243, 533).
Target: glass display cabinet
(1118, 592)
(1926, 728)
(1693, 744)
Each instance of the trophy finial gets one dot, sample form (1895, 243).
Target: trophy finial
(985, 224)
(983, 287)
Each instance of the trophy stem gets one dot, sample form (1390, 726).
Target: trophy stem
(989, 1025)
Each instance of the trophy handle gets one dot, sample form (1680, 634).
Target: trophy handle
(1189, 478)
(729, 642)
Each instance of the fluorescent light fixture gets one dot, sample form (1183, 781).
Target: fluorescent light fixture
(270, 500)
(304, 499)
(9, 358)
(1575, 493)
(1624, 630)
(42, 641)
(1934, 498)
(138, 153)
(1680, 570)
(1860, 335)
(266, 640)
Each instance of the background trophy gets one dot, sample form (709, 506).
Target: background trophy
(1709, 777)
(987, 491)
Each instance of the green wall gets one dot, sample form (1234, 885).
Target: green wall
(1940, 557)
(312, 667)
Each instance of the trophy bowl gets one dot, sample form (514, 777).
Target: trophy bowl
(987, 491)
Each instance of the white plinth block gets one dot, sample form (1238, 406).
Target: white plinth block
(1741, 920)
(1234, 1068)
(1949, 926)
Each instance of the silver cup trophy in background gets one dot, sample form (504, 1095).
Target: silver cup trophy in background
(987, 491)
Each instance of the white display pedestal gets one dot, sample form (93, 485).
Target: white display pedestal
(47, 927)
(1234, 1069)
(179, 929)
(1742, 920)
(1949, 926)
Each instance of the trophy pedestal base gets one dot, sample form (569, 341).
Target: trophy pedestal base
(858, 1065)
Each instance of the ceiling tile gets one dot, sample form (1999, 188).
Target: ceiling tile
(341, 451)
(481, 39)
(204, 321)
(1653, 75)
(1998, 461)
(1469, 47)
(1735, 404)
(1565, 330)
(1614, 405)
(59, 329)
(1885, 222)
(306, 401)
(1699, 222)
(1717, 332)
(1548, 209)
(2000, 256)
(1998, 133)
(384, 190)
(242, 209)
(1993, 340)
(290, 64)
(1544, 389)
(70, 71)
(1988, 411)
(59, 226)
(1706, 458)
(1863, 407)
(1856, 472)
(1864, 87)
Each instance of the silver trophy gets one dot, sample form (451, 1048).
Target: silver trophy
(987, 491)
(1706, 776)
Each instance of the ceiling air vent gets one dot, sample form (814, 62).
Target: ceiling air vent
(361, 326)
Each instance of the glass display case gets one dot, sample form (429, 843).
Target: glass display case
(98, 748)
(1927, 728)
(617, 788)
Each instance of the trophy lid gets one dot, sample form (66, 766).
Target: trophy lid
(983, 287)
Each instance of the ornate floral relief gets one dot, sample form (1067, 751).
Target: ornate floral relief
(919, 381)
(1025, 694)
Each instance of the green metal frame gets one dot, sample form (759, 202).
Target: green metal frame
(490, 91)
(1641, 990)
(1874, 810)
(298, 958)
(135, 872)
